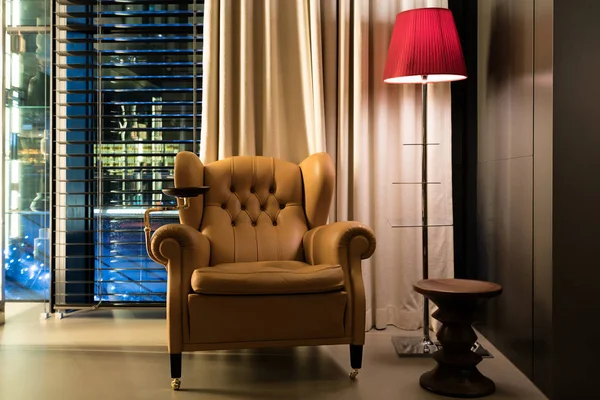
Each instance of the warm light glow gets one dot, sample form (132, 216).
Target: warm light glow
(15, 167)
(15, 70)
(140, 149)
(134, 211)
(16, 13)
(15, 119)
(430, 78)
(15, 218)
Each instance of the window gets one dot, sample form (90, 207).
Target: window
(25, 130)
(127, 99)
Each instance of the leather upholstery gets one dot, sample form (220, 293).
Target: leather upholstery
(319, 179)
(230, 319)
(254, 264)
(268, 277)
(253, 210)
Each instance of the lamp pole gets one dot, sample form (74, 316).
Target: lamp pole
(427, 343)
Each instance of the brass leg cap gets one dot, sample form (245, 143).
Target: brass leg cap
(175, 384)
(353, 374)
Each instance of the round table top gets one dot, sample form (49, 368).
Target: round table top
(458, 287)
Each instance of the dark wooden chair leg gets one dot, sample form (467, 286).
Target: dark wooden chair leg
(175, 366)
(176, 371)
(356, 353)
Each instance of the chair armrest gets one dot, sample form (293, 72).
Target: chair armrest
(330, 244)
(181, 249)
(168, 238)
(344, 244)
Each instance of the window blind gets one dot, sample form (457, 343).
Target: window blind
(126, 101)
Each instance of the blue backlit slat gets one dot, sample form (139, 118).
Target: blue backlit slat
(130, 86)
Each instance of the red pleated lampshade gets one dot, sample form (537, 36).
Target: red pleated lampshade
(424, 43)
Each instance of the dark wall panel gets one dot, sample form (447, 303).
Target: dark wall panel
(542, 196)
(464, 144)
(505, 172)
(539, 186)
(576, 173)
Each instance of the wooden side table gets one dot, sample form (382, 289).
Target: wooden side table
(456, 374)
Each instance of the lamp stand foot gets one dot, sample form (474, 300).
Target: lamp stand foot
(414, 346)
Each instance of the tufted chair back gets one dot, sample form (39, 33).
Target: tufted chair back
(258, 208)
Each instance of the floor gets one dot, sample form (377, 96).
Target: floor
(122, 355)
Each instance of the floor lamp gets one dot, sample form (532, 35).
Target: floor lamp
(424, 48)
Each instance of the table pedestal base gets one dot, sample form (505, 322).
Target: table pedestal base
(456, 374)
(450, 381)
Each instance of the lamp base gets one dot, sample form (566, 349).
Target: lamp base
(481, 351)
(414, 346)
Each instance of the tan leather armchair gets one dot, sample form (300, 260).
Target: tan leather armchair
(254, 264)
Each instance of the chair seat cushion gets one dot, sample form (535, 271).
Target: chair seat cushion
(267, 277)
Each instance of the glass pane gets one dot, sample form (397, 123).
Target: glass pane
(26, 143)
(26, 13)
(129, 77)
(165, 97)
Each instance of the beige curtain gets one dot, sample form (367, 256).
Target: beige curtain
(288, 78)
(262, 85)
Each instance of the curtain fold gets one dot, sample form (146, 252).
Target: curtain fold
(290, 78)
(262, 84)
